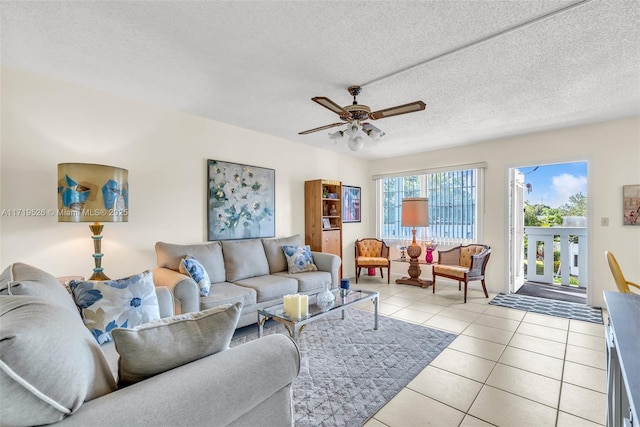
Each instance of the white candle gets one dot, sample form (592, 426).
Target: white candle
(295, 306)
(287, 304)
(304, 305)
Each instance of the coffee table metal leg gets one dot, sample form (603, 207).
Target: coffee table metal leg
(261, 320)
(375, 319)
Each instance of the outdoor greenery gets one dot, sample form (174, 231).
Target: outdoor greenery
(540, 215)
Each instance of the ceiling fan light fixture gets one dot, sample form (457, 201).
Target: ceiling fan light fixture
(352, 129)
(335, 136)
(355, 143)
(374, 134)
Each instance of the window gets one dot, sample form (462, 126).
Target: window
(393, 191)
(453, 205)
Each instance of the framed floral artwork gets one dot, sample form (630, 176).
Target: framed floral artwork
(351, 204)
(240, 201)
(631, 204)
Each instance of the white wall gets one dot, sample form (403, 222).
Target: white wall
(612, 150)
(46, 122)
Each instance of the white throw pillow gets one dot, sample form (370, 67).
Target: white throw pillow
(122, 303)
(299, 258)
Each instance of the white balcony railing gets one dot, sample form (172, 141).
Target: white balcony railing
(570, 263)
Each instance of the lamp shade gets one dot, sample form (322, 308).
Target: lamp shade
(415, 212)
(92, 193)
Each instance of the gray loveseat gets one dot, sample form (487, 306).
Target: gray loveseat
(253, 271)
(52, 369)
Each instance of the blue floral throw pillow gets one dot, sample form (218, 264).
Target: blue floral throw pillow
(192, 268)
(299, 258)
(122, 303)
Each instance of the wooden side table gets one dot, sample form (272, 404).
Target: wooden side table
(417, 281)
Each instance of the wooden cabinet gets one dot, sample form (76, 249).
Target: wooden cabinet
(323, 216)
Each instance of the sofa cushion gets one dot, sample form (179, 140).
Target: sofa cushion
(156, 347)
(50, 364)
(451, 270)
(275, 256)
(24, 279)
(209, 254)
(244, 258)
(191, 267)
(270, 287)
(310, 281)
(299, 258)
(228, 293)
(121, 303)
(372, 261)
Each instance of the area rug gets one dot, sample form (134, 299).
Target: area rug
(555, 292)
(569, 310)
(348, 370)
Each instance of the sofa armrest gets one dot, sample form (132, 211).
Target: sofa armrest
(213, 391)
(184, 289)
(328, 262)
(165, 301)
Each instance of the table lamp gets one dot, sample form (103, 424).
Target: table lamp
(93, 193)
(415, 213)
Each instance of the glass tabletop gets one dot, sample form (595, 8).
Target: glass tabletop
(354, 296)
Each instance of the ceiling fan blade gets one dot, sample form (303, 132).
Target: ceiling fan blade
(329, 104)
(320, 128)
(396, 111)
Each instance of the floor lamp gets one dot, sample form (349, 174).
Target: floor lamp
(415, 213)
(93, 193)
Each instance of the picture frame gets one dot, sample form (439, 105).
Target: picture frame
(240, 201)
(351, 204)
(631, 204)
(326, 223)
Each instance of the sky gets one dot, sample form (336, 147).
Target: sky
(552, 185)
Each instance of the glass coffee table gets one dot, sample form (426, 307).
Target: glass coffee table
(296, 326)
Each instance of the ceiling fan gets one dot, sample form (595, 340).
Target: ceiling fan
(355, 113)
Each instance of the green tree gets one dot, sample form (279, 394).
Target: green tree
(531, 215)
(577, 206)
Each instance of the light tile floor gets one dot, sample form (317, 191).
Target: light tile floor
(506, 367)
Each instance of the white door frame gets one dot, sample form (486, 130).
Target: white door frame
(516, 230)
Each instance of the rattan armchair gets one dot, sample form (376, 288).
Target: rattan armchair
(372, 253)
(464, 264)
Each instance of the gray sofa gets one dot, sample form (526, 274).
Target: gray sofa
(54, 371)
(253, 271)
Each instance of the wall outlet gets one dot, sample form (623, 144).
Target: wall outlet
(604, 221)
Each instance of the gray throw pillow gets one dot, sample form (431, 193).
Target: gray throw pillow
(155, 347)
(49, 362)
(24, 279)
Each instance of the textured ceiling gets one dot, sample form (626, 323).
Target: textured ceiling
(485, 69)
